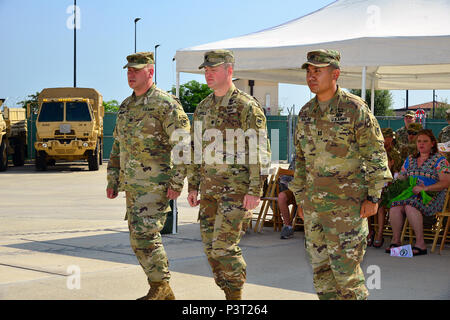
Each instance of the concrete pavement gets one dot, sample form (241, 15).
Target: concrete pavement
(60, 238)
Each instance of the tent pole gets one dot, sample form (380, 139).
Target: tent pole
(363, 83)
(175, 206)
(372, 96)
(177, 92)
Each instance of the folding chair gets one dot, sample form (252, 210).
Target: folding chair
(431, 227)
(267, 196)
(271, 197)
(407, 227)
(444, 236)
(440, 222)
(296, 220)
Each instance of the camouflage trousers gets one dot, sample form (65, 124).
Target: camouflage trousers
(222, 217)
(146, 214)
(335, 242)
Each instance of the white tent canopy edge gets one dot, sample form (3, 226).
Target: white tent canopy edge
(408, 49)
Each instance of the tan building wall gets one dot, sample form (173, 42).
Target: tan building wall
(264, 91)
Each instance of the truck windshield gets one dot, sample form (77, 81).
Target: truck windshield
(51, 112)
(77, 111)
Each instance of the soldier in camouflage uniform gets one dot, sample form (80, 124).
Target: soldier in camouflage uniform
(230, 185)
(401, 134)
(337, 136)
(395, 165)
(411, 146)
(444, 135)
(140, 164)
(393, 154)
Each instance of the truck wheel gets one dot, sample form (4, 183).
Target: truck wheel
(3, 157)
(19, 154)
(41, 161)
(93, 159)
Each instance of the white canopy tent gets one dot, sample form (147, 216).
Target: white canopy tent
(386, 44)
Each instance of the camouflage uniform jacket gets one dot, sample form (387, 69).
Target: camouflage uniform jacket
(234, 111)
(394, 154)
(406, 150)
(285, 180)
(444, 135)
(401, 135)
(141, 152)
(339, 152)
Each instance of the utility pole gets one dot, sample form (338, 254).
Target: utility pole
(434, 100)
(407, 102)
(75, 44)
(135, 22)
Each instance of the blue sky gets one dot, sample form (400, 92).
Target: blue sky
(37, 45)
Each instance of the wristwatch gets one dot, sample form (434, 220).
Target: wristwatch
(373, 199)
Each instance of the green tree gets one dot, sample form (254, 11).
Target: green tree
(32, 100)
(440, 111)
(111, 106)
(383, 101)
(191, 93)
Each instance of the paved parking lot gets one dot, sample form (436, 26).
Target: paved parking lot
(61, 238)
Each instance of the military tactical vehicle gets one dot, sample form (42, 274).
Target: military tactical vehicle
(13, 136)
(69, 127)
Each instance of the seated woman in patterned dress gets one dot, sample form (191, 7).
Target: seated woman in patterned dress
(433, 173)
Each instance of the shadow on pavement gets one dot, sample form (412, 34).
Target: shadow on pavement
(270, 261)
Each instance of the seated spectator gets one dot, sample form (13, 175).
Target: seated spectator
(401, 134)
(433, 174)
(410, 147)
(395, 164)
(444, 135)
(285, 199)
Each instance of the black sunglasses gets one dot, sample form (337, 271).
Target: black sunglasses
(413, 133)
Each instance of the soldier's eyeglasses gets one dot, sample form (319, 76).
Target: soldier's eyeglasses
(413, 133)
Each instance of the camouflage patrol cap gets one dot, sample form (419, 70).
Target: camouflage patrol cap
(388, 133)
(410, 113)
(415, 127)
(217, 57)
(447, 114)
(139, 60)
(323, 58)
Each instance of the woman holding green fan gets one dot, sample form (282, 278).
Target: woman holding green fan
(428, 173)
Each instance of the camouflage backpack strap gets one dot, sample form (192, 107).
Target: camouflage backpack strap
(174, 97)
(252, 107)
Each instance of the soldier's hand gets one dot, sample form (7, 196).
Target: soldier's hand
(172, 194)
(250, 202)
(111, 193)
(192, 198)
(368, 208)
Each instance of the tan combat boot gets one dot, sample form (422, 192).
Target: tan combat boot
(159, 291)
(233, 294)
